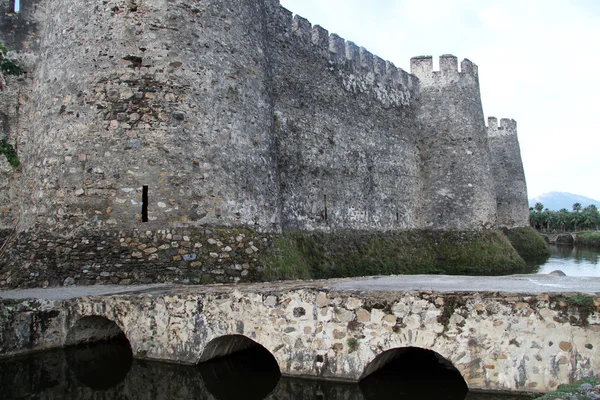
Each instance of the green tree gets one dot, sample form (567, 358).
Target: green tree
(577, 207)
(591, 216)
(563, 219)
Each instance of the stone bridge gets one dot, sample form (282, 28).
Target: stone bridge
(560, 237)
(519, 333)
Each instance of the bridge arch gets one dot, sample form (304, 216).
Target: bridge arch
(226, 345)
(94, 328)
(98, 352)
(414, 365)
(238, 358)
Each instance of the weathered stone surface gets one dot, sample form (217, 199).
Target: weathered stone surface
(503, 347)
(230, 114)
(511, 190)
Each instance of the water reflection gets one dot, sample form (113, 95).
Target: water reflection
(415, 373)
(89, 373)
(254, 369)
(100, 366)
(573, 261)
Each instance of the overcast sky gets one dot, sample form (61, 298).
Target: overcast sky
(538, 64)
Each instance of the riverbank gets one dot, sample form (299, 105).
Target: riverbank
(236, 255)
(588, 239)
(584, 389)
(319, 255)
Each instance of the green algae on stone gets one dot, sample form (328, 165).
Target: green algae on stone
(527, 242)
(320, 255)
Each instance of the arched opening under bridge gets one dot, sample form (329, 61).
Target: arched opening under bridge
(412, 372)
(98, 352)
(235, 367)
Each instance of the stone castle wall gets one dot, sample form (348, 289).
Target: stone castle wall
(345, 132)
(458, 181)
(154, 115)
(511, 189)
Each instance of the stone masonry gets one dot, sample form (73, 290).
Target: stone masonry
(496, 340)
(155, 115)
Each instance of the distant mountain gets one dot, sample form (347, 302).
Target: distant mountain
(556, 200)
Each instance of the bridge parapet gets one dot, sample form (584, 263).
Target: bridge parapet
(496, 340)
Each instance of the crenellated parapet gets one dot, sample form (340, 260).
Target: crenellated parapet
(359, 69)
(506, 127)
(422, 67)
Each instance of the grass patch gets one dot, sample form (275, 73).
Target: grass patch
(528, 243)
(563, 391)
(285, 262)
(588, 239)
(352, 345)
(318, 255)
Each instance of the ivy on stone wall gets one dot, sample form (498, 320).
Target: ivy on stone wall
(9, 151)
(7, 65)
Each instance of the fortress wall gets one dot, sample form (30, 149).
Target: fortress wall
(458, 188)
(509, 176)
(167, 95)
(18, 34)
(345, 128)
(230, 114)
(9, 131)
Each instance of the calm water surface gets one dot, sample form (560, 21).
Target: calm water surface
(573, 261)
(108, 371)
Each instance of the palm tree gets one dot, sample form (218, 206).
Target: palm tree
(563, 218)
(576, 218)
(592, 217)
(539, 207)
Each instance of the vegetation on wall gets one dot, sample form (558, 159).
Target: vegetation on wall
(530, 245)
(7, 65)
(319, 255)
(9, 151)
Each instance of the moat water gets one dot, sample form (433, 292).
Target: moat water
(108, 371)
(573, 261)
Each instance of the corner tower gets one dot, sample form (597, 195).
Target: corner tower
(458, 187)
(149, 115)
(509, 176)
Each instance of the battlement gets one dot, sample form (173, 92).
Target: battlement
(506, 127)
(422, 68)
(366, 70)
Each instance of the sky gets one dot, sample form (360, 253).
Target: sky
(538, 64)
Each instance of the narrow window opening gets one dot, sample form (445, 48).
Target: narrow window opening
(145, 203)
(17, 6)
(397, 217)
(325, 207)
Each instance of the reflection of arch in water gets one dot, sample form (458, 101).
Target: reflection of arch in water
(235, 367)
(412, 372)
(98, 352)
